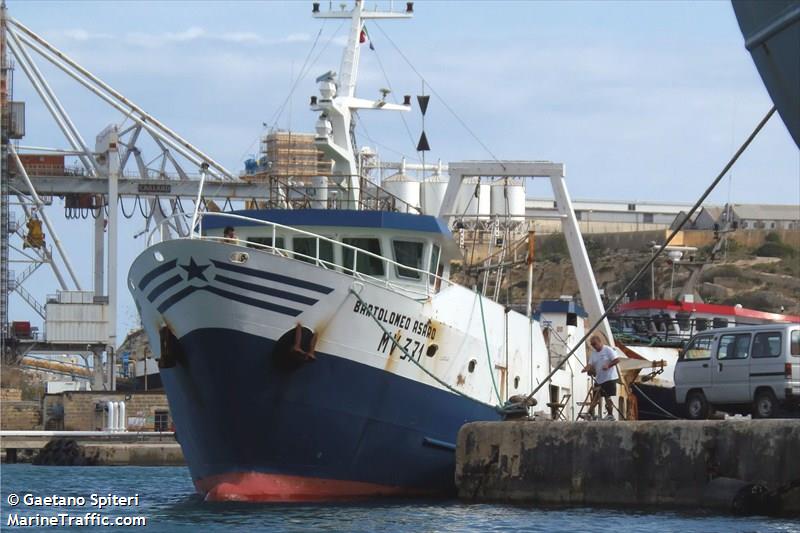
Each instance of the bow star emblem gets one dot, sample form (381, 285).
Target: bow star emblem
(193, 270)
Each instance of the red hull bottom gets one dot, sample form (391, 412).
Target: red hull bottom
(258, 487)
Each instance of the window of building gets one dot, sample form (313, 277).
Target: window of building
(647, 218)
(699, 348)
(720, 323)
(701, 324)
(683, 321)
(366, 264)
(161, 420)
(734, 346)
(631, 207)
(307, 246)
(744, 224)
(408, 253)
(264, 241)
(767, 344)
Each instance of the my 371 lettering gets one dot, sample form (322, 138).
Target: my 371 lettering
(410, 346)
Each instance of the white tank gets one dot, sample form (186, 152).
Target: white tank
(433, 191)
(508, 198)
(404, 188)
(319, 192)
(467, 204)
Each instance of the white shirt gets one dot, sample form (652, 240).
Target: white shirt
(598, 359)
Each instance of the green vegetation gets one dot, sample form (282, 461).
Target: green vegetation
(775, 249)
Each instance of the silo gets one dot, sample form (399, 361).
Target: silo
(433, 190)
(508, 198)
(466, 203)
(406, 190)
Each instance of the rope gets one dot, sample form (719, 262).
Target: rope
(486, 342)
(646, 397)
(653, 258)
(408, 355)
(450, 109)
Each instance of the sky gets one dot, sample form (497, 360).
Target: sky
(643, 101)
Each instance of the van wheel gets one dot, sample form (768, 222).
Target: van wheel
(696, 406)
(765, 405)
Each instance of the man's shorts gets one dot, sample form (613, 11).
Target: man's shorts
(608, 388)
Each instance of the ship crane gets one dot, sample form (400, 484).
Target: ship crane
(113, 168)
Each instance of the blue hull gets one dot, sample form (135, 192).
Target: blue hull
(236, 410)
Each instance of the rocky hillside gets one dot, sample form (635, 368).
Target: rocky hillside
(766, 278)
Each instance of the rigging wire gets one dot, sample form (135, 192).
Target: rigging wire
(394, 97)
(409, 357)
(360, 125)
(435, 93)
(652, 259)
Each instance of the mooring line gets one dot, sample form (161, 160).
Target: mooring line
(410, 358)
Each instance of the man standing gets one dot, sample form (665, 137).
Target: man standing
(602, 365)
(229, 235)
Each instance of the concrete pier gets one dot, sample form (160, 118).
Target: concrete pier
(93, 447)
(712, 464)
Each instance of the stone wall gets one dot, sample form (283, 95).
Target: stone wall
(20, 415)
(13, 395)
(84, 410)
(623, 463)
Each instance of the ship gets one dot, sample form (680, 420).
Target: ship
(317, 348)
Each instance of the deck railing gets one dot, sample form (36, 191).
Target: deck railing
(430, 282)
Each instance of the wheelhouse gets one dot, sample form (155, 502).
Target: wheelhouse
(404, 251)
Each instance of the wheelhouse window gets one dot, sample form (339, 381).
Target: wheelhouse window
(434, 263)
(767, 344)
(254, 242)
(699, 348)
(734, 346)
(408, 253)
(366, 264)
(306, 250)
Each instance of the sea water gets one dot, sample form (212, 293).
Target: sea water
(164, 497)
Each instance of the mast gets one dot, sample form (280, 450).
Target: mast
(337, 100)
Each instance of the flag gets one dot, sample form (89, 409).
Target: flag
(364, 37)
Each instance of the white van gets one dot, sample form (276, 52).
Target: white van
(744, 368)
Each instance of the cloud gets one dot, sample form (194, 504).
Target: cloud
(79, 34)
(194, 34)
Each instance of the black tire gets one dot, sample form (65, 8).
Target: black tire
(765, 405)
(696, 406)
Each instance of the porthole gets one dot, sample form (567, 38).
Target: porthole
(431, 351)
(472, 364)
(240, 257)
(158, 256)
